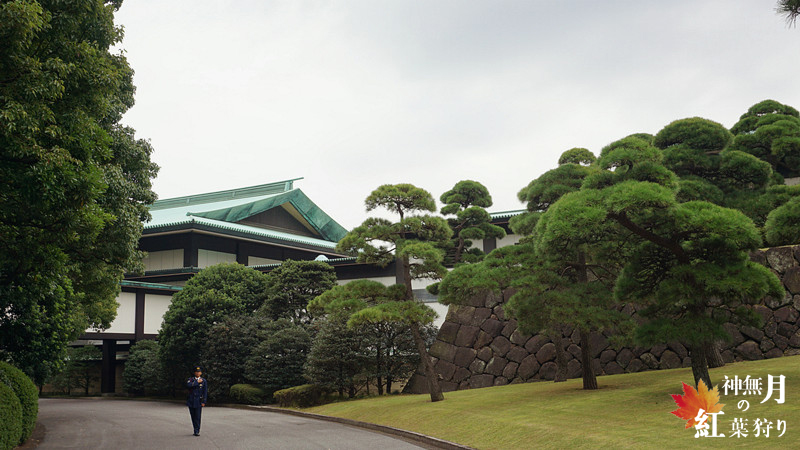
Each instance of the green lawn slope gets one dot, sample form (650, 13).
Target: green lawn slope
(628, 411)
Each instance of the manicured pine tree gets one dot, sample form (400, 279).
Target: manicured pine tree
(415, 242)
(467, 200)
(690, 267)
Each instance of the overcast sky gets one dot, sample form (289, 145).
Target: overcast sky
(355, 94)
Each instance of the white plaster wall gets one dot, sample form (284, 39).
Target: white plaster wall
(386, 281)
(510, 239)
(441, 310)
(206, 258)
(154, 308)
(166, 259)
(126, 315)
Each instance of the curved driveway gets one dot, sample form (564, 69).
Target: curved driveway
(126, 424)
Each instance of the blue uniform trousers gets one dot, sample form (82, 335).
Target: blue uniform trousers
(196, 413)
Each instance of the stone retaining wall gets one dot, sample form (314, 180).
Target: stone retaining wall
(477, 346)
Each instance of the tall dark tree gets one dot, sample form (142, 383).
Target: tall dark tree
(337, 357)
(388, 352)
(278, 360)
(75, 183)
(415, 242)
(293, 285)
(215, 293)
(689, 267)
(228, 347)
(466, 201)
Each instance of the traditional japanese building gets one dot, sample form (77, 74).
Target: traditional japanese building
(258, 226)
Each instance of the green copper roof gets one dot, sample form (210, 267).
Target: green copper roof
(142, 284)
(230, 194)
(221, 210)
(506, 214)
(327, 227)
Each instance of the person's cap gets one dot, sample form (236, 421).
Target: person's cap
(197, 369)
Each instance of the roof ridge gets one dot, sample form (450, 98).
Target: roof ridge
(276, 187)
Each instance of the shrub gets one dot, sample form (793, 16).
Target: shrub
(27, 394)
(277, 361)
(301, 396)
(143, 373)
(248, 394)
(228, 348)
(10, 418)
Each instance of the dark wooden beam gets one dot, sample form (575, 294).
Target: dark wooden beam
(108, 373)
(139, 318)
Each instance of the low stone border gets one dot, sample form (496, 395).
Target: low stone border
(417, 438)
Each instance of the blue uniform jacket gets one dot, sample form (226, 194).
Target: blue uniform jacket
(198, 392)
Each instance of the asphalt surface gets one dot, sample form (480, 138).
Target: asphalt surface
(126, 424)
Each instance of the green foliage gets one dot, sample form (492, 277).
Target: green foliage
(27, 394)
(83, 366)
(208, 298)
(577, 155)
(248, 394)
(10, 418)
(542, 192)
(783, 224)
(278, 359)
(302, 396)
(374, 339)
(76, 183)
(228, 347)
(467, 200)
(695, 133)
(295, 283)
(790, 9)
(414, 241)
(771, 131)
(143, 373)
(338, 355)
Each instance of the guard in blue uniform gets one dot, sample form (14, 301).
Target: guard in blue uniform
(198, 394)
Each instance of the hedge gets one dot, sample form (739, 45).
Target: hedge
(248, 394)
(301, 396)
(27, 394)
(10, 418)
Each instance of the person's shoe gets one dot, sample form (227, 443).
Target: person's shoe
(196, 434)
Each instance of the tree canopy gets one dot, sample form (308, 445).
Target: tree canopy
(209, 297)
(466, 201)
(295, 283)
(415, 242)
(76, 182)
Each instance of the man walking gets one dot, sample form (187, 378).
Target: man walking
(198, 394)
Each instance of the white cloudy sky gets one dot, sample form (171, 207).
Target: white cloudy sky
(355, 94)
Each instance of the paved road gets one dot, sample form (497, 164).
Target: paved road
(126, 424)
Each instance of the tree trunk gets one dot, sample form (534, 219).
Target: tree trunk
(388, 384)
(561, 356)
(407, 279)
(379, 368)
(589, 378)
(459, 250)
(700, 364)
(713, 355)
(433, 379)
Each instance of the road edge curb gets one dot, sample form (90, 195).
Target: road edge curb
(405, 434)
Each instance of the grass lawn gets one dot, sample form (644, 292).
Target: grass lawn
(628, 411)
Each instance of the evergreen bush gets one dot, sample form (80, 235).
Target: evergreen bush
(26, 393)
(301, 396)
(10, 418)
(248, 394)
